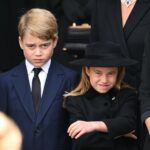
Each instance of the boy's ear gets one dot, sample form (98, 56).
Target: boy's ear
(20, 42)
(55, 41)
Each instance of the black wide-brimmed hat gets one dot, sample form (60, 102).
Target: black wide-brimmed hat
(104, 54)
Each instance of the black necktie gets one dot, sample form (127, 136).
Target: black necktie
(36, 88)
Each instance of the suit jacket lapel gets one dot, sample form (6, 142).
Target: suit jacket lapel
(21, 83)
(52, 85)
(140, 9)
(114, 15)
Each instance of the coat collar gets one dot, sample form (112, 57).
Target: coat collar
(91, 93)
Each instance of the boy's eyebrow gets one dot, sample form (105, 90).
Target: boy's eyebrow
(46, 42)
(28, 44)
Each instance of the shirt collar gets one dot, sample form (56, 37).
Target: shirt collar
(30, 67)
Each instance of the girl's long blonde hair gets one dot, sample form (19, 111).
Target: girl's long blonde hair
(84, 83)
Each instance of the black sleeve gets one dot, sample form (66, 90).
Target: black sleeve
(125, 120)
(73, 107)
(145, 82)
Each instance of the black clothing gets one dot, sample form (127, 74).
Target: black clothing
(145, 90)
(117, 109)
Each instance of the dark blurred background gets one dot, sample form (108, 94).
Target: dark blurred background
(71, 40)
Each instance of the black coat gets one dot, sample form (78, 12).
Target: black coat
(107, 25)
(145, 89)
(116, 109)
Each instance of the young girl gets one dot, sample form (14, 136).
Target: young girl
(103, 109)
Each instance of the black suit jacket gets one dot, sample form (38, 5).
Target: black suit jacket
(107, 25)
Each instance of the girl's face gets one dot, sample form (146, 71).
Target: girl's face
(102, 79)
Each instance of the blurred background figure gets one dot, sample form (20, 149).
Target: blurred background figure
(10, 135)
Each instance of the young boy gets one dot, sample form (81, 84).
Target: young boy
(33, 100)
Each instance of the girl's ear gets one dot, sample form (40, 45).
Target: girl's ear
(87, 70)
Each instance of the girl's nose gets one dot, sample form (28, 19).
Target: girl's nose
(104, 79)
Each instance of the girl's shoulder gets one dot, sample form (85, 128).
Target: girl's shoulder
(72, 100)
(128, 90)
(127, 93)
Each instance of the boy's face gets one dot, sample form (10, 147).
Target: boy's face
(102, 79)
(35, 50)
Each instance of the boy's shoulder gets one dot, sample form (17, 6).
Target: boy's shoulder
(65, 70)
(12, 71)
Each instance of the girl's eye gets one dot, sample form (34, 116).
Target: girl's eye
(98, 73)
(111, 73)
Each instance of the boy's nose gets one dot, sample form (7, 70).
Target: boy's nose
(38, 51)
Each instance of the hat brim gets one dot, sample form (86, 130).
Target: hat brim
(104, 62)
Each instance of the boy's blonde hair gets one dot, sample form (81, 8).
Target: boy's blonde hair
(84, 84)
(38, 22)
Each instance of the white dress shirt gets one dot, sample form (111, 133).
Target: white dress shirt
(42, 74)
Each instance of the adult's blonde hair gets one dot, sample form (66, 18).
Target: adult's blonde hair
(38, 22)
(84, 83)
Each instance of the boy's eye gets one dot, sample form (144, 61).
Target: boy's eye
(45, 45)
(31, 46)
